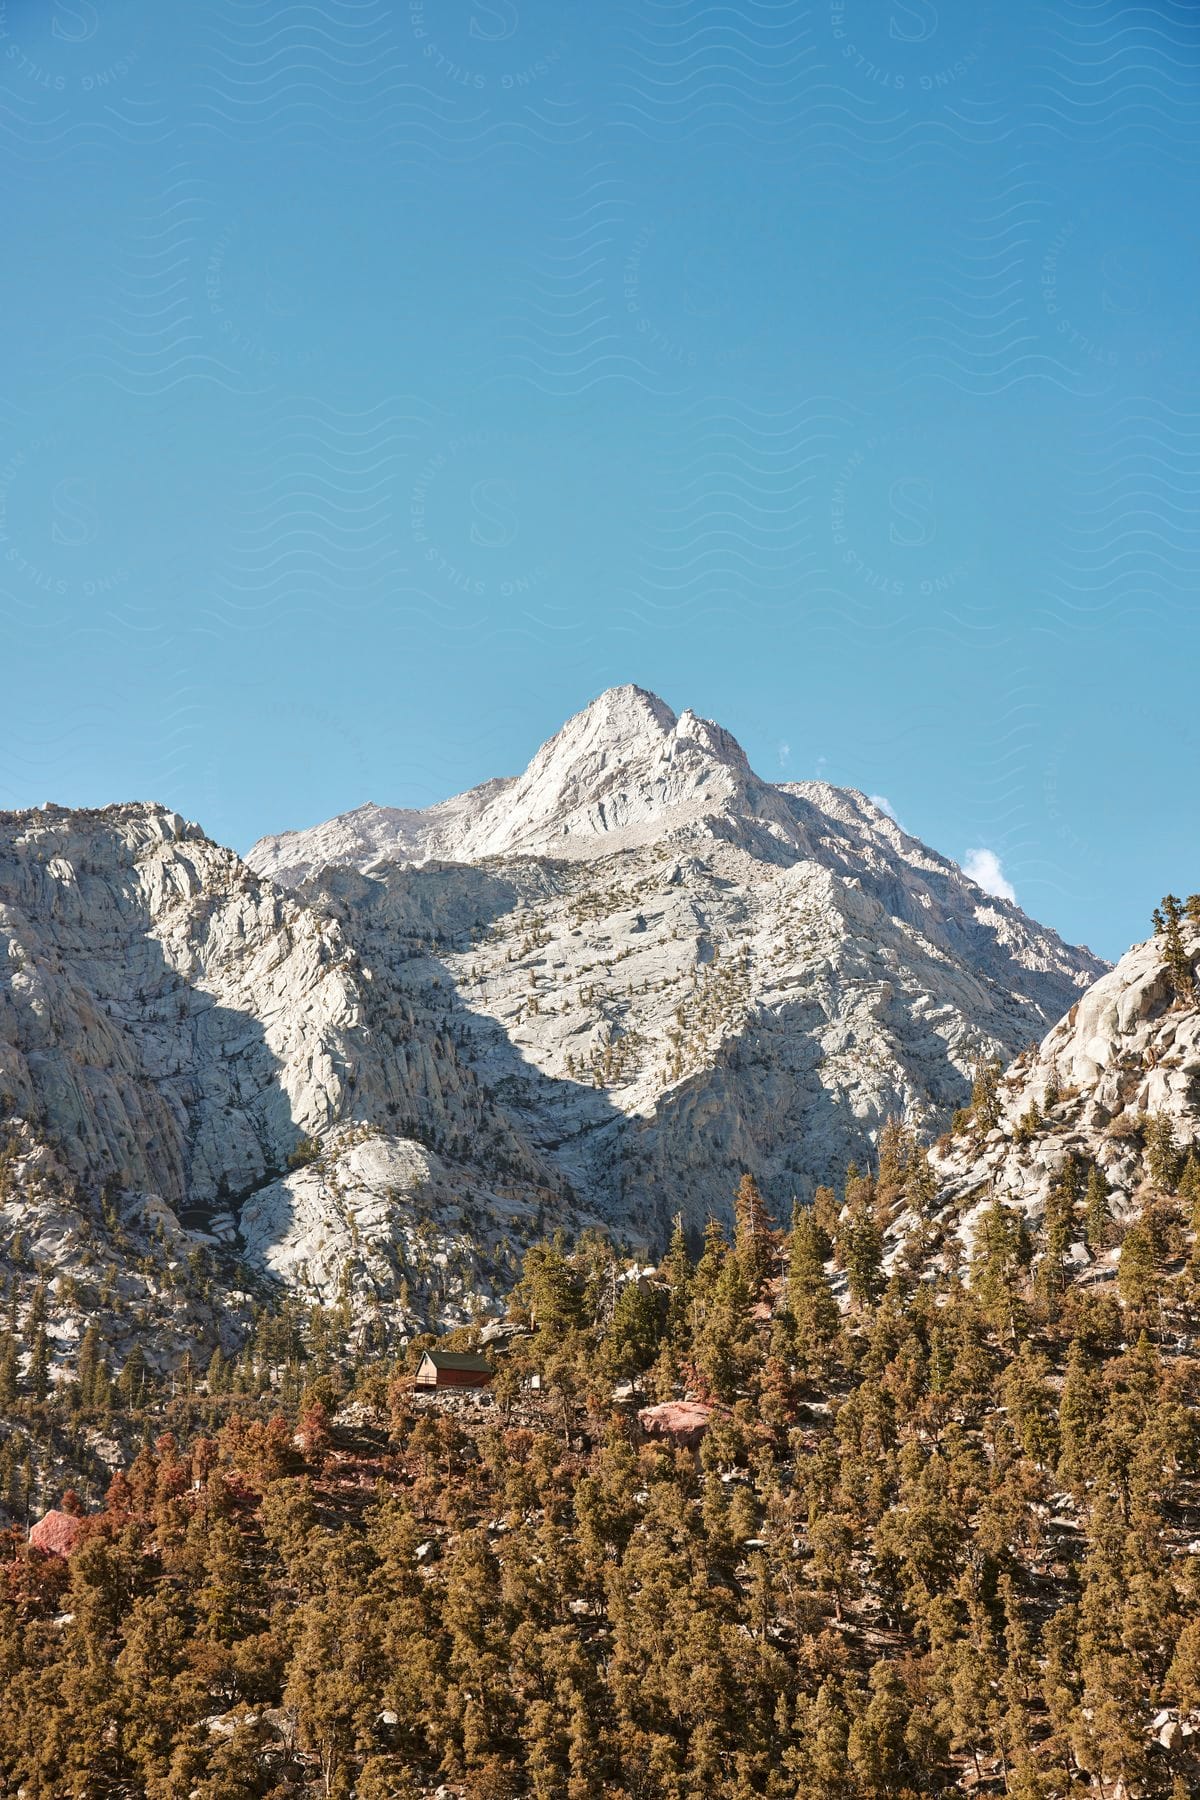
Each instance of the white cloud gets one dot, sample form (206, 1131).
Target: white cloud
(983, 866)
(785, 755)
(884, 805)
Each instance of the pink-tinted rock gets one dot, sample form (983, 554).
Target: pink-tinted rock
(57, 1533)
(684, 1422)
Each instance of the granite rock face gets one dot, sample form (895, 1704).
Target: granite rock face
(178, 1022)
(389, 1052)
(175, 1028)
(669, 970)
(1126, 1052)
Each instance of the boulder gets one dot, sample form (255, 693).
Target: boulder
(57, 1533)
(682, 1422)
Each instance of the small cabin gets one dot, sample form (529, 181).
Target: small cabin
(453, 1369)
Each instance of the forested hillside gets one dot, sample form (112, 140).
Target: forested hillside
(897, 1497)
(939, 1533)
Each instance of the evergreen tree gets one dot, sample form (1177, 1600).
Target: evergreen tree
(860, 1240)
(1097, 1219)
(8, 1371)
(133, 1380)
(894, 1157)
(550, 1290)
(920, 1185)
(877, 1746)
(1179, 963)
(826, 1213)
(754, 1236)
(999, 1256)
(1030, 1403)
(632, 1339)
(90, 1369)
(1137, 1272)
(1162, 1152)
(1188, 1189)
(985, 1095)
(712, 1261)
(722, 1347)
(1058, 1228)
(811, 1305)
(677, 1272)
(39, 1364)
(862, 1586)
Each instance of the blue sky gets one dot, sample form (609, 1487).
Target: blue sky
(384, 380)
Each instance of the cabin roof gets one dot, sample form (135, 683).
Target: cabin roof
(469, 1360)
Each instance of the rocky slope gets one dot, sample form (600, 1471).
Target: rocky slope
(1127, 1053)
(673, 970)
(174, 1028)
(393, 1050)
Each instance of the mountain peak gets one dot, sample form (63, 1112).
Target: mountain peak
(624, 709)
(623, 770)
(622, 722)
(621, 979)
(630, 721)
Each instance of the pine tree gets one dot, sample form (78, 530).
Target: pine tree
(863, 1255)
(632, 1338)
(1162, 1152)
(708, 1270)
(877, 1747)
(831, 1541)
(1097, 1220)
(722, 1345)
(133, 1380)
(39, 1365)
(810, 1299)
(90, 1369)
(1029, 1400)
(1179, 963)
(825, 1212)
(325, 1690)
(920, 1184)
(549, 1290)
(1137, 1271)
(1058, 1228)
(8, 1371)
(999, 1255)
(985, 1095)
(677, 1272)
(1188, 1189)
(754, 1236)
(894, 1157)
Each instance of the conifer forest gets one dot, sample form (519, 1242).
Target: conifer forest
(785, 1515)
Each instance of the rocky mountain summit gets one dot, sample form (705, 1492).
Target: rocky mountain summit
(381, 1056)
(672, 970)
(623, 772)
